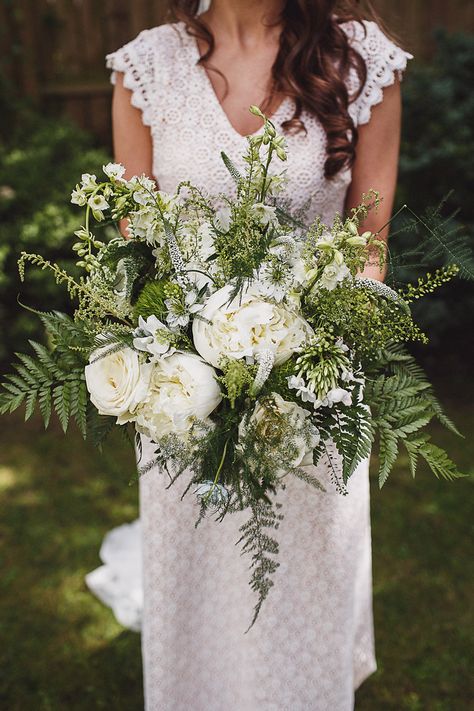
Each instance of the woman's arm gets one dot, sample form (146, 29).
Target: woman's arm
(132, 139)
(376, 166)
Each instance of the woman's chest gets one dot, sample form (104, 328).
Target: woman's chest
(191, 130)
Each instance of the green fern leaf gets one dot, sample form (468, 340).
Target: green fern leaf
(45, 404)
(439, 462)
(388, 452)
(62, 403)
(30, 404)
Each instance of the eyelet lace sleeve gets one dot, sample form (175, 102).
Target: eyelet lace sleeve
(136, 60)
(385, 61)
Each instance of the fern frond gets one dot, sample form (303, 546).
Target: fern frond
(388, 452)
(261, 546)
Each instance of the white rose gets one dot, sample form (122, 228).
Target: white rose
(245, 326)
(117, 382)
(297, 417)
(332, 275)
(182, 389)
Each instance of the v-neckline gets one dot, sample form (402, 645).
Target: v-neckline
(220, 109)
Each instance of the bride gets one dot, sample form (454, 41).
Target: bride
(329, 80)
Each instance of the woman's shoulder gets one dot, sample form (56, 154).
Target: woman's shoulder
(170, 35)
(150, 54)
(374, 45)
(385, 62)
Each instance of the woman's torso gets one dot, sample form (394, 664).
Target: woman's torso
(190, 128)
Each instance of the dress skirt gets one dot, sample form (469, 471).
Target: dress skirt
(312, 644)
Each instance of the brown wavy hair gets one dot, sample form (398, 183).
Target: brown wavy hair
(313, 61)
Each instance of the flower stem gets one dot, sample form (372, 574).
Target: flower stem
(219, 469)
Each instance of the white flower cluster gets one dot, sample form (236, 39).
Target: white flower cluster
(162, 396)
(168, 381)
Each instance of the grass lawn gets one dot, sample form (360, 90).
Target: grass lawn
(61, 649)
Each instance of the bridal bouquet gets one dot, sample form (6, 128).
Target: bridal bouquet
(241, 341)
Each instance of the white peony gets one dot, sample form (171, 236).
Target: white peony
(245, 326)
(297, 417)
(117, 382)
(182, 389)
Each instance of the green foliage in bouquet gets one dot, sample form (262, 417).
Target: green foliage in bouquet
(245, 344)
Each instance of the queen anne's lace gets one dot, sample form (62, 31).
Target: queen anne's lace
(313, 642)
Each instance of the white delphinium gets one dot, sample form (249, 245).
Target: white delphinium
(144, 190)
(264, 214)
(153, 337)
(88, 182)
(145, 224)
(182, 390)
(82, 192)
(98, 204)
(78, 196)
(115, 171)
(223, 217)
(205, 242)
(303, 390)
(333, 397)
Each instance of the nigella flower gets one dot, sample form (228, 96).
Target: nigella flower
(274, 280)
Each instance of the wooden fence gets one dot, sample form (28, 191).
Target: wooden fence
(53, 50)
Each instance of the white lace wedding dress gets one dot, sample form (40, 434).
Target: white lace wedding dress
(313, 642)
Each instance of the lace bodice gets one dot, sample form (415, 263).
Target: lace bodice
(190, 129)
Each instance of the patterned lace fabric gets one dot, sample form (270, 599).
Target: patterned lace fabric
(313, 642)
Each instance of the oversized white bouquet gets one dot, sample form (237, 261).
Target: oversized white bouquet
(240, 340)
